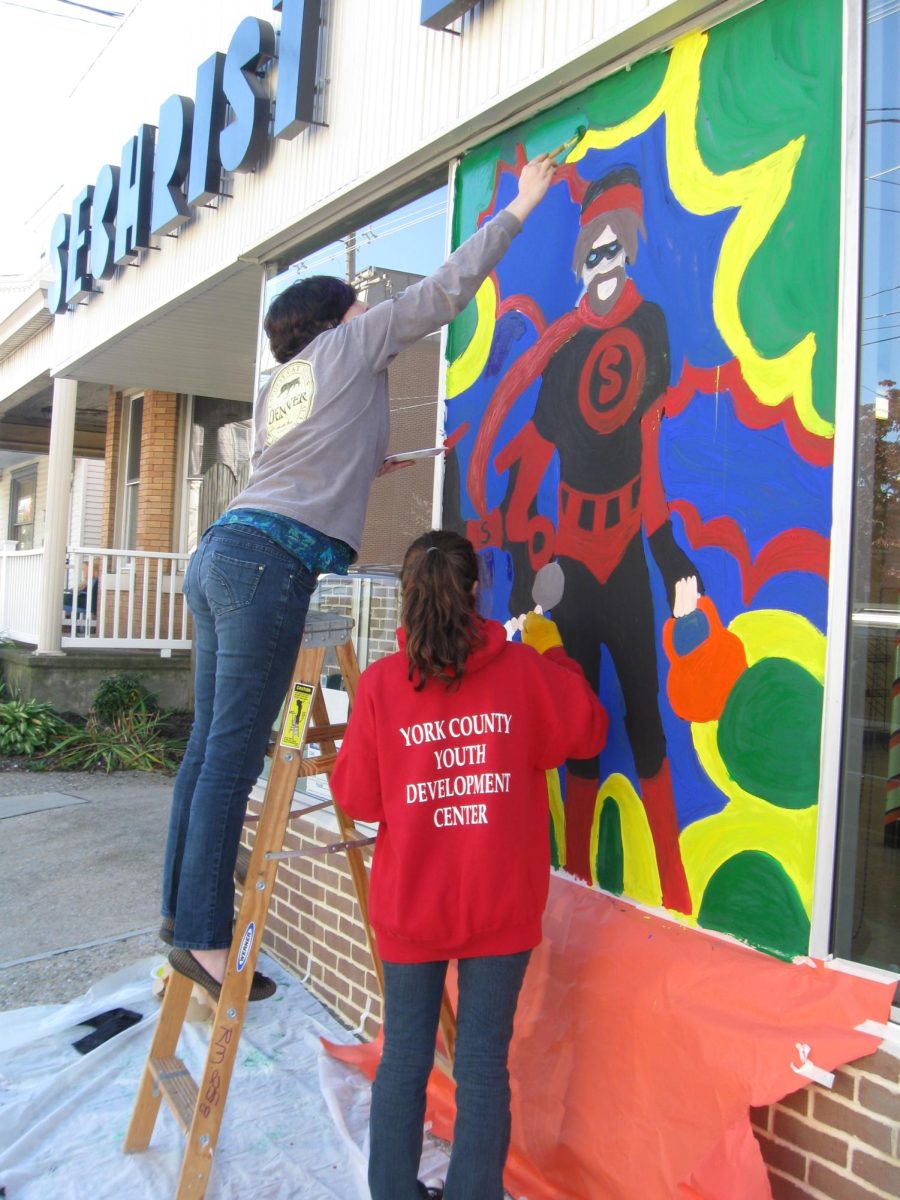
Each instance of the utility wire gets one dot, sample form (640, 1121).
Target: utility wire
(887, 10)
(881, 291)
(43, 12)
(90, 8)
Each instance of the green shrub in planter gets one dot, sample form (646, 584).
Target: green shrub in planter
(132, 741)
(28, 726)
(119, 694)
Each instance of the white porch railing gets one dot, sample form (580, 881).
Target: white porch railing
(21, 583)
(125, 599)
(132, 600)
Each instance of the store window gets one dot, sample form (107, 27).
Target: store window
(133, 428)
(381, 257)
(22, 497)
(219, 448)
(867, 909)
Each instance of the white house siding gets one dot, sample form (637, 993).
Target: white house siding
(86, 516)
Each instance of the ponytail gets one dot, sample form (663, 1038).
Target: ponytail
(438, 578)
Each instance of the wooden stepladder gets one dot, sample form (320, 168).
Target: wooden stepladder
(199, 1107)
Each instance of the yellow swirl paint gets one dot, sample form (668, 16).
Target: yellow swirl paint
(758, 191)
(557, 815)
(641, 876)
(463, 371)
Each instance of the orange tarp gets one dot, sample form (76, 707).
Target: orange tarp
(640, 1047)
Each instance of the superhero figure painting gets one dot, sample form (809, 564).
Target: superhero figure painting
(615, 430)
(599, 409)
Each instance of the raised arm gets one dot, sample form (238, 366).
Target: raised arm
(424, 307)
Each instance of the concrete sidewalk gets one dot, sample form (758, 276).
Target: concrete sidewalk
(80, 862)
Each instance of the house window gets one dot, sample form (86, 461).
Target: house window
(133, 429)
(867, 905)
(218, 467)
(22, 497)
(381, 256)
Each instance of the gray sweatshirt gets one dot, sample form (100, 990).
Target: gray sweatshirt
(321, 423)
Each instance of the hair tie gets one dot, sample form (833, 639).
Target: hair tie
(431, 549)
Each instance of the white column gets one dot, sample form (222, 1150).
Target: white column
(59, 480)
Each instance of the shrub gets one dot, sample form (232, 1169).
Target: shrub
(132, 741)
(120, 694)
(28, 726)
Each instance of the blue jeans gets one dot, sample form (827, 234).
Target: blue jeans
(488, 993)
(249, 599)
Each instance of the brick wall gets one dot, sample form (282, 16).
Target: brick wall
(111, 466)
(841, 1143)
(380, 594)
(157, 494)
(314, 928)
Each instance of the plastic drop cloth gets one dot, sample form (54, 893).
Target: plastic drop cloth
(63, 1116)
(640, 1047)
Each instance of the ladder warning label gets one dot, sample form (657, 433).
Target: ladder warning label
(299, 708)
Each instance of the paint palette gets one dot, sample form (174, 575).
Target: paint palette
(415, 455)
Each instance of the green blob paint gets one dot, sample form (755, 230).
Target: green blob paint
(769, 76)
(610, 854)
(770, 730)
(752, 898)
(554, 848)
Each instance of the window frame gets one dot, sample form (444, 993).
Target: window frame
(835, 875)
(23, 475)
(126, 486)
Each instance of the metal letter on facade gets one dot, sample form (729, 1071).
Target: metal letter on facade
(78, 276)
(298, 49)
(243, 139)
(173, 155)
(135, 194)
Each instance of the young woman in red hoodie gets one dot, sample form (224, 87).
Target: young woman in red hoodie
(447, 748)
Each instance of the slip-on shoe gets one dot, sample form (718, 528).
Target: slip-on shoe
(184, 963)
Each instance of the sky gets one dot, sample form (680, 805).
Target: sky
(48, 45)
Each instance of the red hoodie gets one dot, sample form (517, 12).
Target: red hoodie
(456, 781)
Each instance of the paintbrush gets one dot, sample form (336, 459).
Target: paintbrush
(565, 147)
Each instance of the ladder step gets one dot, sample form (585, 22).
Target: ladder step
(313, 851)
(326, 733)
(295, 814)
(176, 1083)
(322, 764)
(318, 733)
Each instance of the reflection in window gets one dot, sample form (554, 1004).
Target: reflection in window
(381, 259)
(22, 496)
(221, 433)
(133, 470)
(867, 911)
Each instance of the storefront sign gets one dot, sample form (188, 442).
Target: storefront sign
(169, 169)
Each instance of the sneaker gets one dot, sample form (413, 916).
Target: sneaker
(184, 963)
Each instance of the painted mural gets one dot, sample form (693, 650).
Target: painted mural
(640, 406)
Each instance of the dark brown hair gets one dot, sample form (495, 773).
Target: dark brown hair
(438, 577)
(303, 311)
